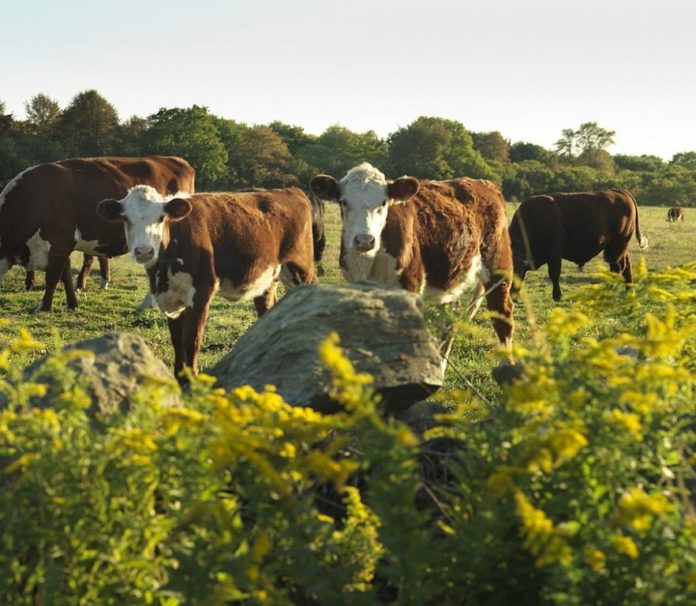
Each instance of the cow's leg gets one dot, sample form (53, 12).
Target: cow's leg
(66, 278)
(29, 280)
(81, 282)
(627, 273)
(176, 332)
(58, 261)
(194, 327)
(617, 259)
(148, 301)
(554, 267)
(104, 272)
(266, 300)
(500, 305)
(475, 301)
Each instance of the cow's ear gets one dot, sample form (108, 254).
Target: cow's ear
(402, 189)
(325, 187)
(110, 210)
(177, 208)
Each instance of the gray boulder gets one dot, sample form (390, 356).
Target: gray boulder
(382, 332)
(118, 366)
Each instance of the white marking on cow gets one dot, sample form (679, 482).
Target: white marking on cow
(85, 246)
(12, 184)
(475, 274)
(178, 296)
(381, 268)
(364, 205)
(38, 252)
(254, 289)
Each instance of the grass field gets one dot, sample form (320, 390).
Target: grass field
(472, 358)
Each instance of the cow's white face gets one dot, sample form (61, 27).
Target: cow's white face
(145, 214)
(365, 197)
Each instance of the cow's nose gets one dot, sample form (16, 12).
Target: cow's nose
(144, 253)
(364, 242)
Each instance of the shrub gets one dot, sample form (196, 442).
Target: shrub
(575, 488)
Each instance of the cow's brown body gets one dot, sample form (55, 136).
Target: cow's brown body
(448, 236)
(577, 227)
(237, 244)
(675, 213)
(48, 211)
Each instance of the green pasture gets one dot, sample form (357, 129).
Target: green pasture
(473, 356)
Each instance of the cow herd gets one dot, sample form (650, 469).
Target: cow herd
(437, 238)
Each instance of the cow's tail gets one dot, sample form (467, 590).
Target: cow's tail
(642, 240)
(318, 234)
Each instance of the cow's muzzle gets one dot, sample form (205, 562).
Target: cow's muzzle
(364, 242)
(144, 254)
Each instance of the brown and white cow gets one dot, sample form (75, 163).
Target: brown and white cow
(675, 213)
(238, 244)
(577, 227)
(437, 237)
(47, 211)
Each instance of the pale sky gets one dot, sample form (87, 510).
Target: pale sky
(526, 68)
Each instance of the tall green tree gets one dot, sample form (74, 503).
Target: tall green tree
(339, 149)
(521, 151)
(565, 146)
(89, 125)
(43, 113)
(685, 159)
(295, 137)
(191, 133)
(492, 146)
(590, 137)
(261, 159)
(435, 148)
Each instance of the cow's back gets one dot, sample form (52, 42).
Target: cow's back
(448, 224)
(458, 216)
(58, 199)
(593, 221)
(262, 227)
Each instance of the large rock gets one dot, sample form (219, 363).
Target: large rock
(117, 367)
(382, 332)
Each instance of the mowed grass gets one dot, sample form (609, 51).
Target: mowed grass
(474, 354)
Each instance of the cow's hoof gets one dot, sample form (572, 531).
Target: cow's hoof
(104, 284)
(40, 309)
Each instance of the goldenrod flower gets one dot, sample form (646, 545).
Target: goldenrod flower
(625, 545)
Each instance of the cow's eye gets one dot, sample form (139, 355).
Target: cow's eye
(384, 204)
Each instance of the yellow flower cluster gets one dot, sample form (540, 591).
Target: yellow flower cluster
(628, 421)
(540, 537)
(349, 387)
(625, 545)
(637, 508)
(595, 558)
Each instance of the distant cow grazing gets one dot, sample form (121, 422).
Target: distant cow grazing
(47, 211)
(675, 213)
(239, 244)
(576, 227)
(440, 237)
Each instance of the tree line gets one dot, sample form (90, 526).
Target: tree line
(228, 154)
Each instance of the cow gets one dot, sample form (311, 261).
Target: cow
(675, 213)
(439, 238)
(48, 210)
(574, 226)
(238, 244)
